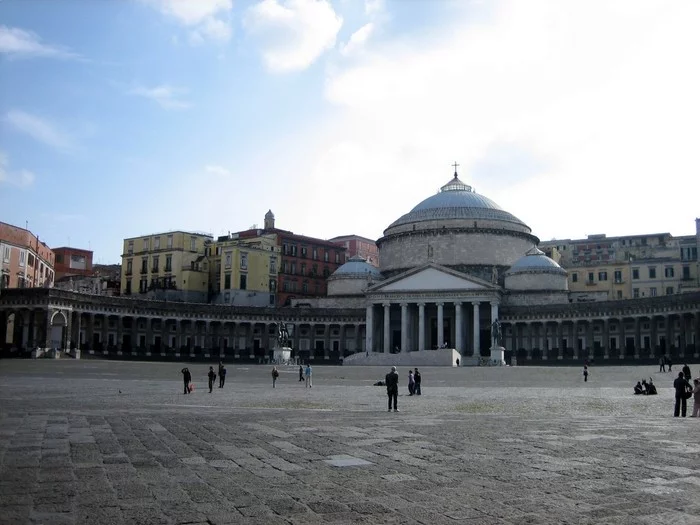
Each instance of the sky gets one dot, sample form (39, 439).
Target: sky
(124, 118)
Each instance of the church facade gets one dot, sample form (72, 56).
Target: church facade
(456, 271)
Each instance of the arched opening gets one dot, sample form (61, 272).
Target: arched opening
(57, 332)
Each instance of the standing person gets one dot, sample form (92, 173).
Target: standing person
(585, 374)
(301, 373)
(681, 386)
(686, 372)
(222, 375)
(411, 383)
(307, 373)
(275, 375)
(392, 387)
(696, 398)
(187, 378)
(417, 379)
(669, 363)
(212, 377)
(662, 364)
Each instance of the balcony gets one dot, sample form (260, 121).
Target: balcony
(128, 272)
(144, 271)
(154, 269)
(590, 283)
(619, 281)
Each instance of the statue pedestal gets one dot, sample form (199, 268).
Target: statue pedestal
(282, 354)
(498, 355)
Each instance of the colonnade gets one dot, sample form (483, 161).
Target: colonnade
(423, 325)
(611, 337)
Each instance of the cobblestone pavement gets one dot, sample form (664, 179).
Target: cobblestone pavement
(480, 446)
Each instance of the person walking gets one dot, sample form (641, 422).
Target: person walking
(662, 364)
(681, 386)
(686, 373)
(307, 373)
(669, 363)
(187, 378)
(275, 375)
(417, 379)
(222, 375)
(212, 377)
(696, 398)
(392, 388)
(411, 383)
(585, 374)
(301, 373)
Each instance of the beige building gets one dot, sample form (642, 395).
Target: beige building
(167, 265)
(629, 267)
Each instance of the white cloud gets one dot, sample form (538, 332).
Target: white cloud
(20, 179)
(293, 33)
(40, 129)
(167, 97)
(358, 40)
(217, 170)
(206, 19)
(577, 117)
(374, 7)
(16, 42)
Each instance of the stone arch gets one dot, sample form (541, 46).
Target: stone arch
(55, 321)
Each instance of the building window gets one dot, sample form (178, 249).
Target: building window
(326, 272)
(303, 268)
(129, 267)
(168, 263)
(227, 297)
(294, 250)
(619, 294)
(652, 272)
(294, 268)
(285, 285)
(169, 242)
(273, 285)
(130, 249)
(273, 264)
(31, 260)
(244, 261)
(602, 276)
(635, 273)
(22, 258)
(590, 277)
(227, 281)
(574, 277)
(144, 264)
(314, 270)
(243, 282)
(6, 255)
(146, 245)
(228, 260)
(652, 292)
(272, 299)
(337, 257)
(669, 290)
(635, 293)
(127, 290)
(325, 256)
(668, 271)
(315, 254)
(618, 276)
(686, 273)
(305, 287)
(143, 285)
(303, 251)
(156, 243)
(193, 244)
(155, 264)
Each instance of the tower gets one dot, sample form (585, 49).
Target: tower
(269, 220)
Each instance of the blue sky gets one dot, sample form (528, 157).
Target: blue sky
(122, 118)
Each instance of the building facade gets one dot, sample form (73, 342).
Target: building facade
(72, 261)
(25, 261)
(355, 245)
(168, 265)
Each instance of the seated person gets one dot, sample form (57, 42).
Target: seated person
(645, 387)
(651, 389)
(638, 389)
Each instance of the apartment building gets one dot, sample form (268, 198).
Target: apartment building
(25, 261)
(169, 265)
(632, 266)
(72, 261)
(356, 245)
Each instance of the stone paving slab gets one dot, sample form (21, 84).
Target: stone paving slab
(499, 446)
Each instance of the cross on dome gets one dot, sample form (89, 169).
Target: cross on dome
(455, 184)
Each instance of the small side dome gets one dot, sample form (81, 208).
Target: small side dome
(535, 260)
(269, 215)
(357, 268)
(534, 271)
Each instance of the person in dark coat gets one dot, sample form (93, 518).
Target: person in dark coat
(669, 363)
(681, 386)
(662, 364)
(417, 378)
(212, 377)
(686, 372)
(392, 387)
(638, 389)
(301, 373)
(187, 378)
(222, 375)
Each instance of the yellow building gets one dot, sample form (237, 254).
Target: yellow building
(243, 271)
(168, 265)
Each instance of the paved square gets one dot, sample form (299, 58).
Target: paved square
(117, 442)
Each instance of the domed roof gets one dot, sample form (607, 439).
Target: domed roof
(535, 260)
(269, 215)
(357, 267)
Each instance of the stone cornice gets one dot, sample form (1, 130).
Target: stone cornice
(448, 231)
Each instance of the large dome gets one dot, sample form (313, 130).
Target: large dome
(457, 200)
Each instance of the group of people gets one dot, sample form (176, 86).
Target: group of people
(665, 361)
(391, 381)
(684, 391)
(644, 388)
(211, 376)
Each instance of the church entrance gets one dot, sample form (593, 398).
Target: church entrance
(446, 333)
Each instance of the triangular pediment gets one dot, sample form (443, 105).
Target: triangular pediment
(432, 278)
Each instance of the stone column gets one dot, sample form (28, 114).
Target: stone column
(476, 352)
(341, 343)
(149, 335)
(421, 326)
(134, 334)
(654, 335)
(48, 343)
(369, 329)
(528, 354)
(681, 321)
(545, 341)
(404, 327)
(178, 337)
(637, 337)
(105, 330)
(67, 332)
(696, 353)
(623, 339)
(589, 340)
(232, 338)
(164, 336)
(387, 327)
(574, 339)
(440, 325)
(669, 334)
(249, 339)
(79, 315)
(327, 341)
(120, 332)
(560, 340)
(90, 335)
(606, 338)
(358, 342)
(494, 316)
(459, 339)
(31, 332)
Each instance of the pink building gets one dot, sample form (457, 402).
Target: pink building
(356, 245)
(25, 261)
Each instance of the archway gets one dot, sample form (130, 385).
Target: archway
(57, 332)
